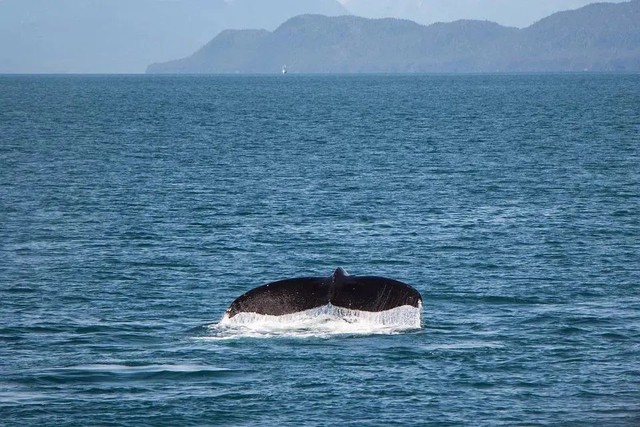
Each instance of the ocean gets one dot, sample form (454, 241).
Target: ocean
(135, 209)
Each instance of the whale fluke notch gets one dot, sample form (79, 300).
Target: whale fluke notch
(366, 293)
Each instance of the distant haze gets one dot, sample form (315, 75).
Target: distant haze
(597, 37)
(124, 36)
(515, 13)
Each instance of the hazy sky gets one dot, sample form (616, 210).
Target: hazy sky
(124, 36)
(517, 13)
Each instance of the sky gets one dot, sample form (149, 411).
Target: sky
(125, 36)
(514, 13)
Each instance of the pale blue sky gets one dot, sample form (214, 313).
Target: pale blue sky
(125, 36)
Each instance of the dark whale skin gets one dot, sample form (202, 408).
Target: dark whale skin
(366, 293)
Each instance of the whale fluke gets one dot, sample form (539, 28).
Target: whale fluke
(366, 293)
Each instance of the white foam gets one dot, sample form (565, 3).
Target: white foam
(322, 321)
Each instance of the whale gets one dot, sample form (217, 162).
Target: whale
(364, 293)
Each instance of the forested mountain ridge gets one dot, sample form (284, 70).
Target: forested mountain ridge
(598, 37)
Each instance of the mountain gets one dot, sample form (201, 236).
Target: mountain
(520, 13)
(602, 36)
(124, 36)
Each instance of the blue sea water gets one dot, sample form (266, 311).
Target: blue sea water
(134, 209)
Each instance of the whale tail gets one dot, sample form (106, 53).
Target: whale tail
(365, 293)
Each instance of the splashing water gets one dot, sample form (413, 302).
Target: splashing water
(324, 321)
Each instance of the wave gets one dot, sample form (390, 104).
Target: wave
(324, 321)
(116, 373)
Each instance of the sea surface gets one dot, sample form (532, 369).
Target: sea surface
(135, 209)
